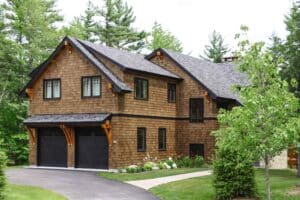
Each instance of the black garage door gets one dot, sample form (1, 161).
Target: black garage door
(52, 147)
(91, 148)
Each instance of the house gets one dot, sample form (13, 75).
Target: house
(93, 106)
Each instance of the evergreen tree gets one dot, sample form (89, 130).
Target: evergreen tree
(216, 50)
(161, 38)
(115, 26)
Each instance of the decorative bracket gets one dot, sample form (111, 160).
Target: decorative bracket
(32, 134)
(108, 131)
(68, 131)
(29, 92)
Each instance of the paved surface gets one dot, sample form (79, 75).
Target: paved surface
(77, 185)
(149, 183)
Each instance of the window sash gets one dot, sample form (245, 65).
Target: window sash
(91, 86)
(141, 88)
(171, 92)
(141, 139)
(162, 139)
(52, 89)
(56, 88)
(196, 110)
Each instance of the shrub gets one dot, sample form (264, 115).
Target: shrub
(3, 160)
(161, 165)
(187, 162)
(148, 166)
(170, 162)
(233, 175)
(198, 161)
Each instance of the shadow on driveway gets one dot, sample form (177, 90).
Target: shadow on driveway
(78, 185)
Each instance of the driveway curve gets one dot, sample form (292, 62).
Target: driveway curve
(78, 185)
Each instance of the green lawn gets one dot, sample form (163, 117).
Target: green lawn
(21, 192)
(282, 181)
(148, 174)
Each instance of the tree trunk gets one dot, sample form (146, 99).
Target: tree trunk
(268, 188)
(298, 162)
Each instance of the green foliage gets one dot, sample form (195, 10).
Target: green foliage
(115, 26)
(160, 38)
(148, 166)
(198, 161)
(233, 175)
(2, 175)
(216, 50)
(186, 161)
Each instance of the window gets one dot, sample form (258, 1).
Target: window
(171, 93)
(141, 139)
(51, 88)
(196, 150)
(140, 88)
(91, 86)
(196, 110)
(162, 139)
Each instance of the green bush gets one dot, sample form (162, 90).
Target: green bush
(170, 162)
(161, 165)
(3, 160)
(198, 161)
(148, 166)
(233, 175)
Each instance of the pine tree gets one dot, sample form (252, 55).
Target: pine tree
(161, 38)
(115, 26)
(216, 50)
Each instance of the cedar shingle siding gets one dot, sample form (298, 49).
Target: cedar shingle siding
(171, 83)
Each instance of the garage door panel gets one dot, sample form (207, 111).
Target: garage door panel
(91, 148)
(52, 147)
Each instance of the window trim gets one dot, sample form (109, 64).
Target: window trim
(165, 142)
(91, 95)
(144, 141)
(168, 86)
(143, 79)
(44, 89)
(190, 111)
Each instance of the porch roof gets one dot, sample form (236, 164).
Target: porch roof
(67, 118)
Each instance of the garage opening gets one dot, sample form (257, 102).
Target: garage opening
(91, 148)
(52, 147)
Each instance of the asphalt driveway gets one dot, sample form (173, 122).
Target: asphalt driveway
(77, 184)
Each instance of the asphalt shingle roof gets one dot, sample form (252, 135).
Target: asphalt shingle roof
(67, 118)
(127, 60)
(218, 78)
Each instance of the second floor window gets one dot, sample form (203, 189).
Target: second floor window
(140, 88)
(52, 89)
(171, 92)
(196, 110)
(91, 86)
(141, 139)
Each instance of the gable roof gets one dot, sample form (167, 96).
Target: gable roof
(218, 79)
(128, 61)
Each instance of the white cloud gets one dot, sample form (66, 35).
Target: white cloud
(191, 21)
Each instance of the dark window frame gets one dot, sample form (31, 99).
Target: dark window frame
(136, 79)
(201, 117)
(170, 91)
(143, 149)
(164, 148)
(91, 94)
(45, 86)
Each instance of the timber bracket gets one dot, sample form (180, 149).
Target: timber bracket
(107, 127)
(32, 134)
(69, 132)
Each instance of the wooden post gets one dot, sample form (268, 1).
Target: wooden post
(32, 133)
(70, 137)
(108, 131)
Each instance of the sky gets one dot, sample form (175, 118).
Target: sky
(192, 21)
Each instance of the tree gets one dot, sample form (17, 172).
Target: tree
(115, 26)
(84, 27)
(267, 122)
(161, 38)
(216, 50)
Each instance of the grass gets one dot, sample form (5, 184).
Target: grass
(22, 192)
(148, 174)
(282, 181)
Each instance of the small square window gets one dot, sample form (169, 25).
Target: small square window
(141, 139)
(91, 86)
(52, 89)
